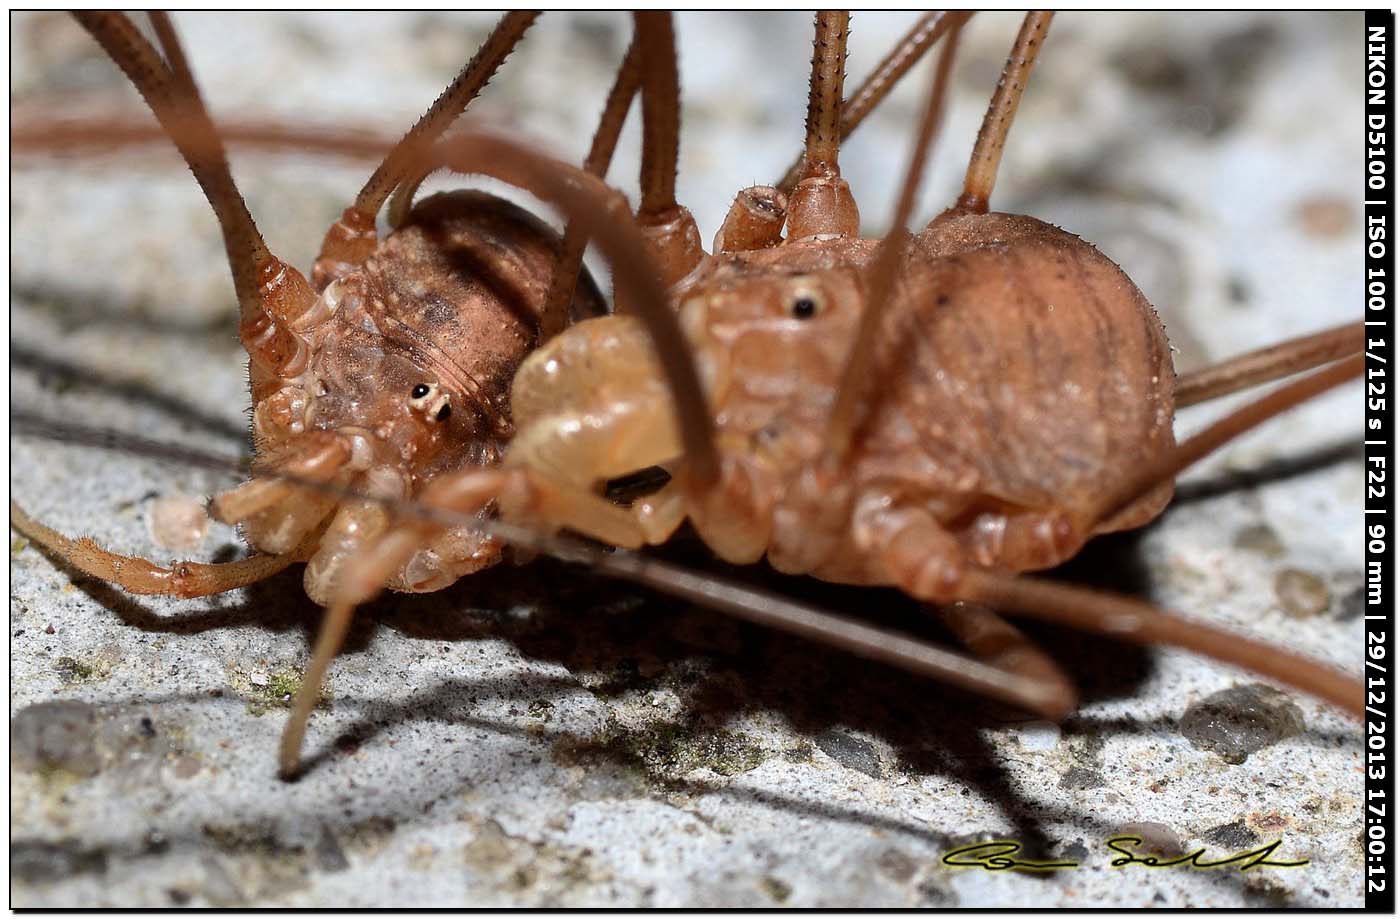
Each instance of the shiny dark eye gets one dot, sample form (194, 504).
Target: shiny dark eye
(420, 390)
(804, 307)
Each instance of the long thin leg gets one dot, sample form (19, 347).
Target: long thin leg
(821, 204)
(139, 576)
(175, 54)
(272, 296)
(661, 112)
(668, 228)
(991, 139)
(188, 126)
(1271, 363)
(1226, 429)
(1006, 648)
(849, 635)
(370, 566)
(445, 110)
(372, 569)
(352, 238)
(902, 57)
(824, 93)
(110, 134)
(1144, 623)
(600, 154)
(856, 380)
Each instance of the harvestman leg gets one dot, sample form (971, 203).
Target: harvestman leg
(193, 579)
(672, 238)
(1189, 451)
(824, 93)
(367, 574)
(1271, 363)
(600, 153)
(169, 89)
(856, 378)
(661, 114)
(352, 238)
(811, 198)
(991, 139)
(821, 203)
(187, 125)
(139, 576)
(907, 52)
(1005, 647)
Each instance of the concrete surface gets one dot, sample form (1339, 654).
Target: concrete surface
(539, 736)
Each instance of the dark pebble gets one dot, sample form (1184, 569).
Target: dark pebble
(1241, 720)
(56, 735)
(851, 752)
(36, 862)
(1078, 778)
(1232, 836)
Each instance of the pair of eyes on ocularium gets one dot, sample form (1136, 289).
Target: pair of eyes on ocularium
(422, 394)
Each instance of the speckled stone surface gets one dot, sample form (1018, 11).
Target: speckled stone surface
(539, 736)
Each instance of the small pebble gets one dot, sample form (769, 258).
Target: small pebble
(329, 855)
(1302, 594)
(40, 862)
(186, 767)
(851, 752)
(1157, 838)
(1325, 216)
(1261, 538)
(259, 678)
(1078, 779)
(1232, 836)
(56, 735)
(1353, 605)
(1241, 720)
(177, 522)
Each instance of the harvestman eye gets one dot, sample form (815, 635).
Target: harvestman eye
(420, 391)
(804, 307)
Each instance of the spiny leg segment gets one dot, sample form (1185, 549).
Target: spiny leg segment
(852, 399)
(184, 580)
(352, 238)
(991, 139)
(182, 116)
(600, 153)
(1271, 363)
(907, 52)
